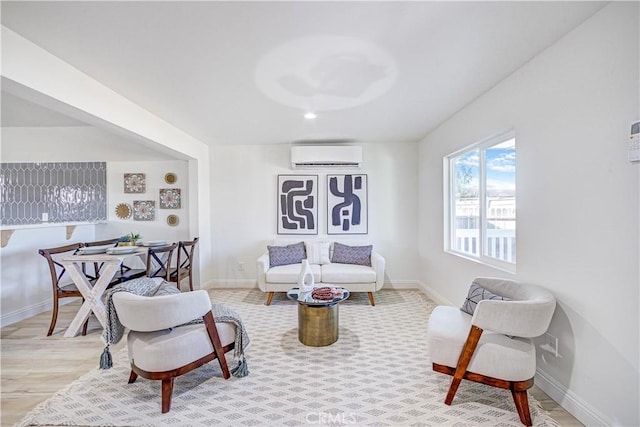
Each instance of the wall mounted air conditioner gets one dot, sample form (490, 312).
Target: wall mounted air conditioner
(326, 156)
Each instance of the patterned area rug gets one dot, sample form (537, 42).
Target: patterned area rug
(378, 373)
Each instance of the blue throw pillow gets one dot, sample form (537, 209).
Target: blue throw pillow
(343, 254)
(476, 294)
(284, 255)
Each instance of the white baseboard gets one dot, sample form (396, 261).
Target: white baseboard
(26, 312)
(431, 293)
(401, 284)
(230, 284)
(572, 403)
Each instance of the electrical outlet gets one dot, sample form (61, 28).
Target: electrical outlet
(550, 345)
(241, 266)
(45, 217)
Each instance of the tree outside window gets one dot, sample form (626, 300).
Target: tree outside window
(482, 201)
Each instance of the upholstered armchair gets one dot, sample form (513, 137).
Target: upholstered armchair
(158, 349)
(494, 345)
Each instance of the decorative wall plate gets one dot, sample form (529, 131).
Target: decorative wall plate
(134, 183)
(144, 210)
(170, 198)
(173, 220)
(170, 178)
(123, 211)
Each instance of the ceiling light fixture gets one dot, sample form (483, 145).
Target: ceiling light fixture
(310, 115)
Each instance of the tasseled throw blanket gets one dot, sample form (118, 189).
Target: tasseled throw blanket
(114, 330)
(222, 313)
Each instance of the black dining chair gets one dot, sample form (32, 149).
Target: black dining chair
(159, 261)
(184, 263)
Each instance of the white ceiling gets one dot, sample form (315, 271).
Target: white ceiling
(245, 72)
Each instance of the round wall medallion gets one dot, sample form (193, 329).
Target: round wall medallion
(170, 178)
(123, 211)
(173, 220)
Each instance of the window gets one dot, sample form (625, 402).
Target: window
(481, 204)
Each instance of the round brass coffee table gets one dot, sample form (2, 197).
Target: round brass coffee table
(318, 319)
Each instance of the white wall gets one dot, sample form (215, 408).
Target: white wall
(157, 229)
(25, 285)
(244, 196)
(577, 207)
(25, 282)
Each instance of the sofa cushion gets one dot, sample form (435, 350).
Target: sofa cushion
(318, 252)
(335, 273)
(476, 294)
(284, 255)
(344, 254)
(289, 274)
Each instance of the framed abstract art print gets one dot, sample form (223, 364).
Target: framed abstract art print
(297, 204)
(347, 204)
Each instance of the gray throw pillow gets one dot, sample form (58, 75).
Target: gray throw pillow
(476, 294)
(343, 254)
(284, 255)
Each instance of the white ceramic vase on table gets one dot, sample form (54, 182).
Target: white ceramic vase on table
(305, 278)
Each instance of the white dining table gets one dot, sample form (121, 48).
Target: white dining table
(93, 293)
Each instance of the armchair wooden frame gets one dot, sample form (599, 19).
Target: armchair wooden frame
(518, 388)
(493, 344)
(167, 377)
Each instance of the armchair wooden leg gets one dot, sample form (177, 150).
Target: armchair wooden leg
(453, 388)
(269, 298)
(463, 361)
(217, 345)
(167, 390)
(132, 377)
(522, 405)
(371, 301)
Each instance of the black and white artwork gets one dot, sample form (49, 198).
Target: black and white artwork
(297, 204)
(347, 204)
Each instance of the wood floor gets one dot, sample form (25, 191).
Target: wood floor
(34, 367)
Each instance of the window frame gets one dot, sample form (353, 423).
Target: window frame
(450, 198)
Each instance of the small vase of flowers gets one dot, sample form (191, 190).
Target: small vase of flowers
(129, 239)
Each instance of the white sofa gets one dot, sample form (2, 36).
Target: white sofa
(356, 278)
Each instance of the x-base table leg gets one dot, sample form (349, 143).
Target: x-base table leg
(92, 294)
